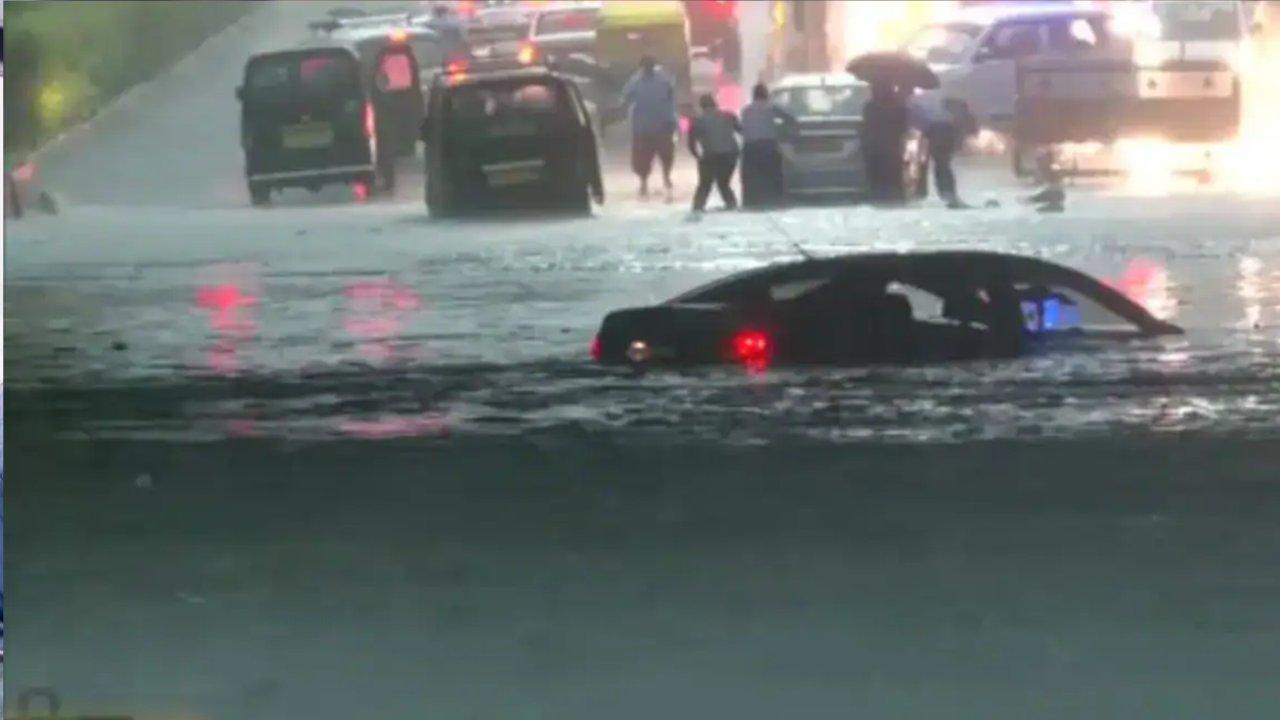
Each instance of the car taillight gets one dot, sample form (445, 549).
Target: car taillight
(455, 65)
(594, 348)
(370, 123)
(722, 8)
(752, 348)
(527, 55)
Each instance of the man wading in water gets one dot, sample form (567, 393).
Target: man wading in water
(650, 95)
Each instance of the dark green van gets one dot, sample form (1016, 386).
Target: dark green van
(312, 117)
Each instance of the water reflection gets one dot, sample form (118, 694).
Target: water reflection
(230, 301)
(1251, 290)
(375, 312)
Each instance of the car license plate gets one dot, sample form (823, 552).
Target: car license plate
(818, 146)
(307, 137)
(515, 173)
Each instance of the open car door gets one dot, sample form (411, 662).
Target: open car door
(397, 98)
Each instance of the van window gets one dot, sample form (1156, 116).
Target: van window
(1015, 40)
(509, 109)
(324, 73)
(945, 43)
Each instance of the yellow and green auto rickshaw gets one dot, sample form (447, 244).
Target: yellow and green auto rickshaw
(626, 31)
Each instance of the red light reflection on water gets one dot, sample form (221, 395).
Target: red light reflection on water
(230, 302)
(376, 312)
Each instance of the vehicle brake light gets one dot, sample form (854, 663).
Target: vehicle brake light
(455, 66)
(370, 123)
(594, 348)
(527, 55)
(723, 8)
(752, 347)
(398, 36)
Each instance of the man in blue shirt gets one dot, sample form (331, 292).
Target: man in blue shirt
(650, 95)
(945, 125)
(761, 156)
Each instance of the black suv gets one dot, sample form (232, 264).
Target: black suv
(509, 139)
(317, 116)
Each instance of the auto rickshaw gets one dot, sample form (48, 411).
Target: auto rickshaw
(626, 31)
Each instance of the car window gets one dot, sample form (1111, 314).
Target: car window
(944, 43)
(791, 290)
(1048, 308)
(1188, 20)
(838, 101)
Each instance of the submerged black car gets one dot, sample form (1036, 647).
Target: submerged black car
(509, 139)
(867, 309)
(313, 116)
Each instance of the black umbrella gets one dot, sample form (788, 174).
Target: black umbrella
(893, 67)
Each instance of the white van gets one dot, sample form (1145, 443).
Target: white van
(975, 50)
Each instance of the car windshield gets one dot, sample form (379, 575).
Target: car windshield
(564, 21)
(1190, 21)
(945, 43)
(820, 101)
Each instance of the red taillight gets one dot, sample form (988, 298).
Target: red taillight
(527, 55)
(594, 348)
(455, 65)
(721, 8)
(370, 123)
(752, 347)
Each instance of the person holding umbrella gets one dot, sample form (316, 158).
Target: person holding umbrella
(886, 117)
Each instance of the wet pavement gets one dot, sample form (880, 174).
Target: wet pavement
(308, 460)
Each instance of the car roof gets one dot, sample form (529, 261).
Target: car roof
(471, 79)
(992, 14)
(924, 262)
(812, 80)
(303, 50)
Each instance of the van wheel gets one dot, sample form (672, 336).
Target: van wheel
(259, 194)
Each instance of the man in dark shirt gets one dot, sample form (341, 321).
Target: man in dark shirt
(713, 141)
(884, 130)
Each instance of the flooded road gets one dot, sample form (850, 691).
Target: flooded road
(302, 461)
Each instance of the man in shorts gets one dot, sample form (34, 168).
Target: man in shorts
(650, 95)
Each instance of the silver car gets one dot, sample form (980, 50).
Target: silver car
(822, 152)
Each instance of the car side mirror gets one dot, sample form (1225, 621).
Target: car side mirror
(240, 94)
(983, 54)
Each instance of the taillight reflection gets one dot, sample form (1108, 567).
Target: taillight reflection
(376, 312)
(370, 121)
